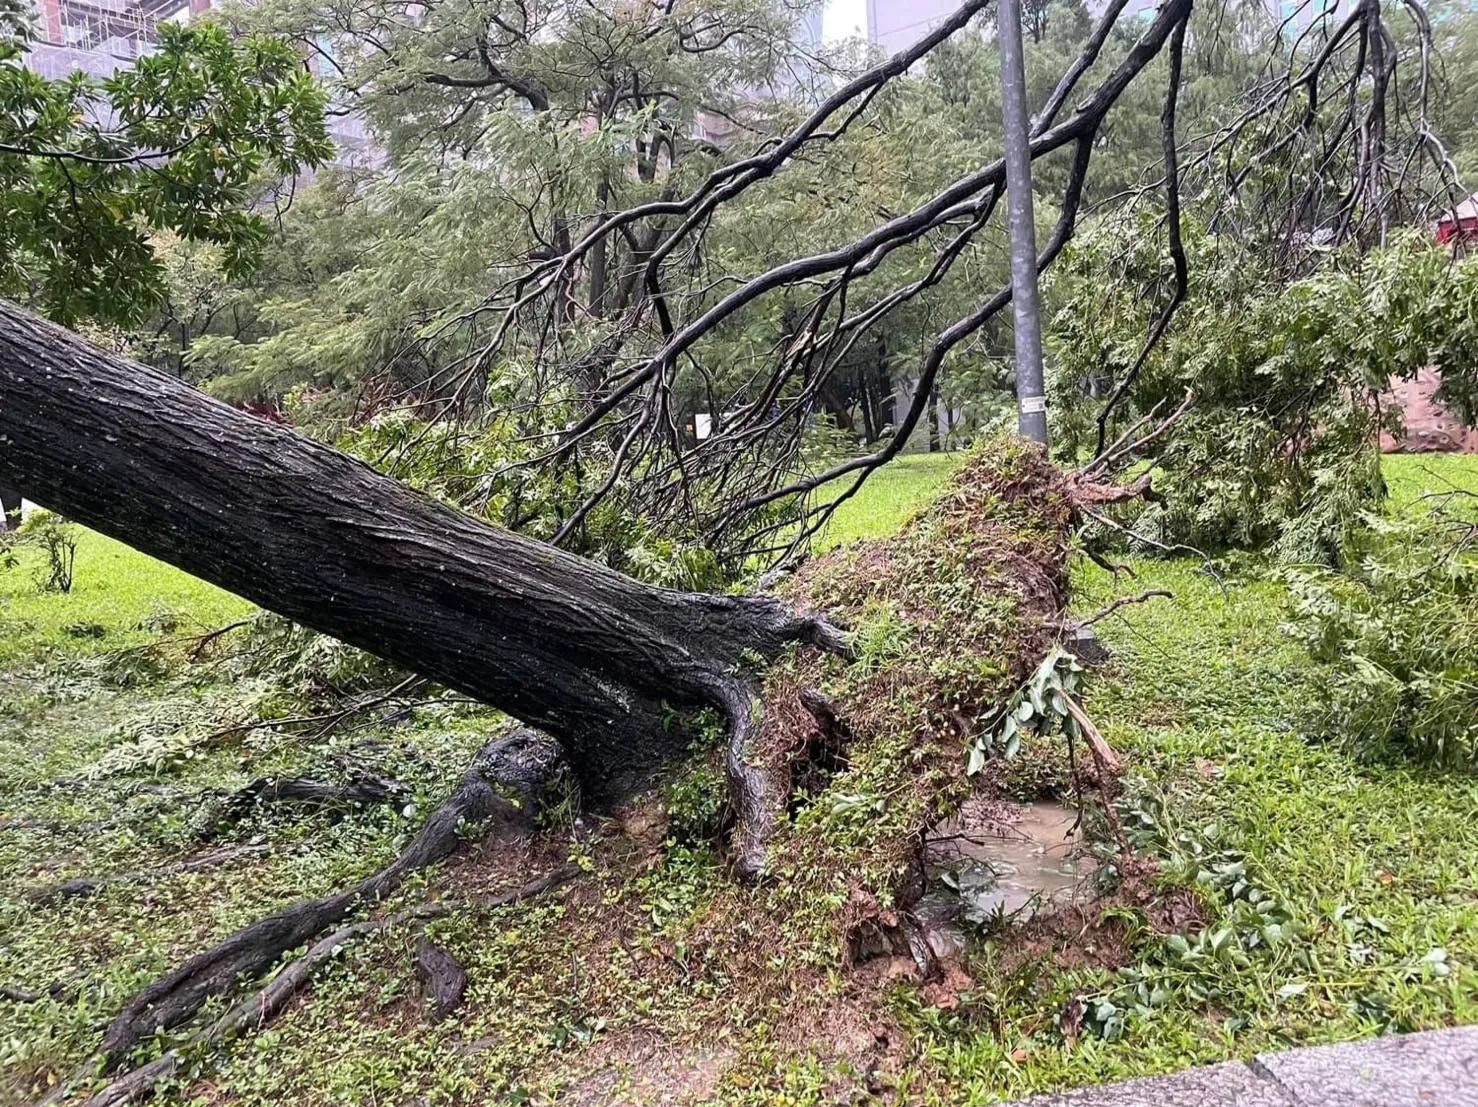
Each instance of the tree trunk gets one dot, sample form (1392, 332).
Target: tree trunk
(580, 651)
(869, 424)
(599, 265)
(10, 505)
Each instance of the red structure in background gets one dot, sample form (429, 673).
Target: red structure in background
(1428, 427)
(1460, 225)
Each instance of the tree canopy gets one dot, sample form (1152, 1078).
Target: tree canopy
(180, 141)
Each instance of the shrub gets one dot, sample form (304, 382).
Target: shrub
(1396, 630)
(57, 540)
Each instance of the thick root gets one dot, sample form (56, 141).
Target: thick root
(256, 1010)
(758, 802)
(761, 781)
(520, 764)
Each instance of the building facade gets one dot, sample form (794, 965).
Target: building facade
(99, 37)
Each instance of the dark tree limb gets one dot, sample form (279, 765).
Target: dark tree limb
(1171, 151)
(1124, 601)
(362, 790)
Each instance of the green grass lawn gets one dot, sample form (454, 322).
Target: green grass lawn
(1412, 476)
(119, 598)
(1339, 897)
(890, 495)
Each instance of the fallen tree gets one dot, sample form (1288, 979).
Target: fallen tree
(594, 658)
(591, 658)
(973, 593)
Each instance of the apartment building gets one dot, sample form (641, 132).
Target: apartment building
(102, 36)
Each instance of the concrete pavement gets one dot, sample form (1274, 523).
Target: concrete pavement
(1437, 1068)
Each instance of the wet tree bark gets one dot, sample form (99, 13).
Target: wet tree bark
(590, 656)
(10, 509)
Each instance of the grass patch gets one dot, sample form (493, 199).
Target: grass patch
(890, 497)
(119, 598)
(1409, 477)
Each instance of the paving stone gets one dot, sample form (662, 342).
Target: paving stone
(1232, 1084)
(1438, 1068)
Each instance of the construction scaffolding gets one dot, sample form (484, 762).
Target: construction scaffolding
(100, 36)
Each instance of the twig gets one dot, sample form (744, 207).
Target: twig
(1154, 543)
(1103, 753)
(1125, 601)
(210, 636)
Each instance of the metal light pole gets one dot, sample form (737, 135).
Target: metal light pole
(1031, 399)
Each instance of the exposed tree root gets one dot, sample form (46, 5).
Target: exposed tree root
(522, 764)
(256, 1010)
(363, 789)
(761, 781)
(757, 804)
(86, 885)
(443, 977)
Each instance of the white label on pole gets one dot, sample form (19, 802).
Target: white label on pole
(1031, 405)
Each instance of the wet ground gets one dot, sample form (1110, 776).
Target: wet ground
(997, 862)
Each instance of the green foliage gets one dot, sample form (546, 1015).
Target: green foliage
(1254, 931)
(489, 470)
(1279, 447)
(1396, 633)
(696, 799)
(1038, 708)
(302, 663)
(177, 141)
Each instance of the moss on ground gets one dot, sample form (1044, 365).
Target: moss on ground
(1310, 892)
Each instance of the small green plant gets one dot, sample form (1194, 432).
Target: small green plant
(57, 540)
(881, 637)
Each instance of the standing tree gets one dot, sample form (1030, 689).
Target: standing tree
(89, 169)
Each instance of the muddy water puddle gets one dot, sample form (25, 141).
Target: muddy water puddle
(999, 861)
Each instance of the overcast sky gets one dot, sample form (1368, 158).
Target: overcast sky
(843, 19)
